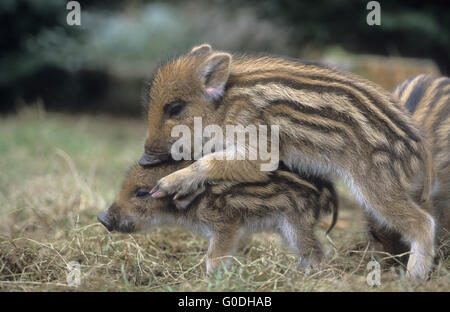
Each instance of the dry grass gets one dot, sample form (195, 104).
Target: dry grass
(58, 172)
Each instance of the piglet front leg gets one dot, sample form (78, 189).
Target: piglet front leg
(210, 168)
(181, 183)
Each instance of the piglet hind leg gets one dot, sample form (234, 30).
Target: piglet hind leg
(299, 235)
(385, 240)
(414, 224)
(222, 246)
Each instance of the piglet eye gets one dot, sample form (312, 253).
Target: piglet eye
(142, 192)
(174, 108)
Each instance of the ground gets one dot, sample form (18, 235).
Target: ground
(59, 171)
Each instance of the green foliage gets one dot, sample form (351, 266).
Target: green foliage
(408, 28)
(101, 65)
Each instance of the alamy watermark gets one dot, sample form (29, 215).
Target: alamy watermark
(237, 142)
(74, 16)
(374, 16)
(373, 278)
(73, 277)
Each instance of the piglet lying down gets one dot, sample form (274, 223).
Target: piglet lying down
(227, 211)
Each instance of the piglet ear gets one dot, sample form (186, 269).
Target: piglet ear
(201, 50)
(214, 73)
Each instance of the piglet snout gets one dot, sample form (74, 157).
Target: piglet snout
(106, 221)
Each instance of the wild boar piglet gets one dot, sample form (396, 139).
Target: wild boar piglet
(427, 99)
(330, 123)
(226, 212)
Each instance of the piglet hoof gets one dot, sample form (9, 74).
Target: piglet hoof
(308, 265)
(156, 192)
(182, 202)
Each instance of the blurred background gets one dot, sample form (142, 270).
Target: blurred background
(101, 65)
(71, 124)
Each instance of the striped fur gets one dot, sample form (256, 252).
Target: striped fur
(331, 123)
(427, 99)
(225, 212)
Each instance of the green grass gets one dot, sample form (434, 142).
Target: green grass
(57, 172)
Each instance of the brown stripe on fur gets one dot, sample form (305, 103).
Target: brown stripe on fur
(317, 124)
(385, 103)
(320, 87)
